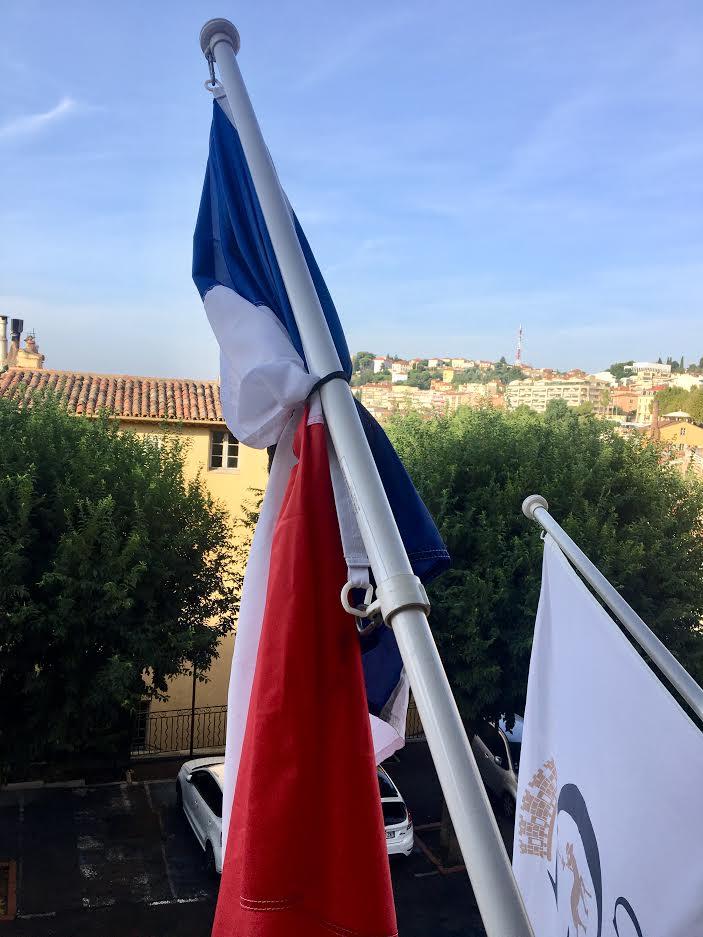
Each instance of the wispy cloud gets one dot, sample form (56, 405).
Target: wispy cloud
(29, 124)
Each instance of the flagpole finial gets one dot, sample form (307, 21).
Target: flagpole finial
(531, 503)
(218, 30)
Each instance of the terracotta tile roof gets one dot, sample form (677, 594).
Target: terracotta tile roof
(124, 395)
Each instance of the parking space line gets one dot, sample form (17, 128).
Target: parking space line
(162, 833)
(196, 900)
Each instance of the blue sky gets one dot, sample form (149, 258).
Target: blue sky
(459, 168)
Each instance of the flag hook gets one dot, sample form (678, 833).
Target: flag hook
(367, 611)
(211, 66)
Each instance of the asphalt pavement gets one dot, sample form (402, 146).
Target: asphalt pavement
(119, 860)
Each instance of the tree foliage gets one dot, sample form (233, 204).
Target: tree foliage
(638, 520)
(618, 369)
(113, 565)
(363, 361)
(676, 398)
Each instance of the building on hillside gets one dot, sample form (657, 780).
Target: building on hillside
(606, 377)
(686, 381)
(624, 400)
(400, 371)
(646, 371)
(645, 400)
(381, 363)
(537, 394)
(489, 389)
(685, 441)
(436, 362)
(152, 407)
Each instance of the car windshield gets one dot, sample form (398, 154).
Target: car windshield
(514, 737)
(393, 813)
(386, 786)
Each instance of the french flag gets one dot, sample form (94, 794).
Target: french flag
(312, 707)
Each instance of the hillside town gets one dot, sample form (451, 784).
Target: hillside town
(662, 399)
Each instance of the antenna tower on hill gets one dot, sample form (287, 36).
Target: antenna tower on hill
(518, 351)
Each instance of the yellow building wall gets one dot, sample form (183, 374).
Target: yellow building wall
(231, 487)
(681, 434)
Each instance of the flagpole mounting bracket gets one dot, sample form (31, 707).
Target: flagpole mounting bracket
(399, 593)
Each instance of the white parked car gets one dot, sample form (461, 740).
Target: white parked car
(497, 752)
(199, 792)
(400, 837)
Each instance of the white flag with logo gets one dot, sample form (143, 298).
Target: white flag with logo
(609, 820)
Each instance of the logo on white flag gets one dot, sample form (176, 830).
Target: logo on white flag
(555, 827)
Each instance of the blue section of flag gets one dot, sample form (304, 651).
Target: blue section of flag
(232, 247)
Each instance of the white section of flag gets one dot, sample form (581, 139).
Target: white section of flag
(611, 774)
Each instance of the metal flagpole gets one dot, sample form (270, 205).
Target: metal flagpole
(535, 507)
(403, 600)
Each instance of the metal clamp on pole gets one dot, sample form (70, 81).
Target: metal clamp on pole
(400, 592)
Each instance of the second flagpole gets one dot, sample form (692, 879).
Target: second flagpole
(403, 601)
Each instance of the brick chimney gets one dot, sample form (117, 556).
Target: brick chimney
(654, 429)
(29, 357)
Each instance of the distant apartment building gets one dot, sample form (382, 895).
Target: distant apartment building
(436, 362)
(645, 401)
(537, 394)
(489, 389)
(385, 398)
(399, 371)
(646, 371)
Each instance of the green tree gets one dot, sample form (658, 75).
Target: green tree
(676, 398)
(113, 566)
(638, 520)
(618, 369)
(363, 361)
(368, 377)
(423, 377)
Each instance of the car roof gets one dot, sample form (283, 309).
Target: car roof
(196, 763)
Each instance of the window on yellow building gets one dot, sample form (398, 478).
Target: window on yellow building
(224, 450)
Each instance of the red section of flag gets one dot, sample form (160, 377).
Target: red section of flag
(306, 854)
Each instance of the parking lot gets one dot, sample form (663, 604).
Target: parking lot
(120, 859)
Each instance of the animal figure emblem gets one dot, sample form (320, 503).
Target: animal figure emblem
(578, 889)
